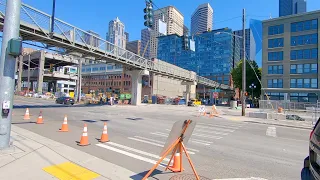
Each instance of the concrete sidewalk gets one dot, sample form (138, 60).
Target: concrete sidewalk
(34, 157)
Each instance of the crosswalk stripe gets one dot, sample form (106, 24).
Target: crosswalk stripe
(136, 151)
(128, 154)
(220, 125)
(155, 144)
(206, 136)
(211, 132)
(215, 128)
(192, 140)
(161, 142)
(197, 142)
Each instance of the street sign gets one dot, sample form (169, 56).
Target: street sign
(215, 95)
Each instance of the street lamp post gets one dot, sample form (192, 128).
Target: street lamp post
(252, 86)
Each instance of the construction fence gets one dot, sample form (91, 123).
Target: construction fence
(302, 111)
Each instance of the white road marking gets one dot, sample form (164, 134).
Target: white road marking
(271, 131)
(160, 145)
(136, 151)
(128, 154)
(215, 128)
(206, 136)
(219, 125)
(160, 142)
(197, 142)
(203, 131)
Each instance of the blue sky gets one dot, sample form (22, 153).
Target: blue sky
(97, 14)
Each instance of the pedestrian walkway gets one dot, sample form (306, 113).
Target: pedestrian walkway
(204, 135)
(35, 157)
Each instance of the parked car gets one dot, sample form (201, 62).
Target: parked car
(65, 100)
(313, 161)
(194, 102)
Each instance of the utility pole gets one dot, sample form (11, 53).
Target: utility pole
(52, 17)
(244, 64)
(28, 78)
(79, 80)
(7, 66)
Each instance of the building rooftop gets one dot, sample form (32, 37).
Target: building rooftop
(292, 16)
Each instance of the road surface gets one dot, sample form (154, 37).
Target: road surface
(220, 148)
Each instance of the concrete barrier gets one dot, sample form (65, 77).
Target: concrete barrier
(265, 115)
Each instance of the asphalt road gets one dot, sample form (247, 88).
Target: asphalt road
(220, 148)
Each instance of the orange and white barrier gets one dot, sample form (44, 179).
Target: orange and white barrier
(27, 115)
(64, 127)
(40, 119)
(104, 135)
(84, 141)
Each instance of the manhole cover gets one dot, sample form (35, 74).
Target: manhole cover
(187, 177)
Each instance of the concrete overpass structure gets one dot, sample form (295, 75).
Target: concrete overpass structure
(35, 26)
(35, 67)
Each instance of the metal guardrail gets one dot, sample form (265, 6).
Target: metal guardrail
(38, 23)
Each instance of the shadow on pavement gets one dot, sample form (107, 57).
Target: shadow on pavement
(90, 121)
(23, 122)
(135, 119)
(142, 174)
(56, 106)
(105, 120)
(306, 174)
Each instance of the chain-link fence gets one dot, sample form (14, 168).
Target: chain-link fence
(294, 110)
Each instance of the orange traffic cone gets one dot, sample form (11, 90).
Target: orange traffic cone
(104, 136)
(26, 115)
(64, 127)
(176, 163)
(84, 138)
(40, 119)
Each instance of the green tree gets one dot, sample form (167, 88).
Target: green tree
(250, 77)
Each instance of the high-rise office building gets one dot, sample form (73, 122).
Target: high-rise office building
(202, 19)
(215, 54)
(289, 7)
(134, 46)
(127, 36)
(92, 38)
(116, 33)
(250, 44)
(186, 30)
(145, 42)
(290, 60)
(256, 29)
(174, 21)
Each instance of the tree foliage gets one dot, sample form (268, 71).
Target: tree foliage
(250, 77)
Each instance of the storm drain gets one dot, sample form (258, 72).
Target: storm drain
(187, 177)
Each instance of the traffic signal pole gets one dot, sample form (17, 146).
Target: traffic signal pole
(243, 103)
(7, 67)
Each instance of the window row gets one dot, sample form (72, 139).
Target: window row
(304, 54)
(303, 68)
(303, 83)
(279, 29)
(294, 97)
(273, 43)
(304, 39)
(276, 69)
(275, 83)
(304, 25)
(275, 56)
(111, 83)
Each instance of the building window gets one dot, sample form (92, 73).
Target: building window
(304, 39)
(303, 97)
(102, 68)
(274, 43)
(304, 54)
(275, 83)
(304, 83)
(277, 69)
(275, 56)
(273, 30)
(304, 25)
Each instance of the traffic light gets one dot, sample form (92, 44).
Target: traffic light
(148, 14)
(51, 68)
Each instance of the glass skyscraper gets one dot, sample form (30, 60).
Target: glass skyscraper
(289, 7)
(216, 53)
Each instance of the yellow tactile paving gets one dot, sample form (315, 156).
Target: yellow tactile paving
(70, 171)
